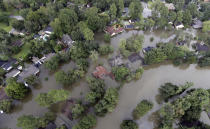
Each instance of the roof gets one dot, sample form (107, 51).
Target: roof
(66, 39)
(2, 62)
(170, 6)
(197, 24)
(31, 70)
(13, 73)
(113, 30)
(51, 126)
(9, 64)
(100, 72)
(201, 47)
(129, 26)
(47, 57)
(116, 61)
(49, 29)
(134, 57)
(147, 49)
(17, 43)
(17, 17)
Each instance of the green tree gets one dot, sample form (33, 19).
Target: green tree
(88, 34)
(121, 5)
(62, 127)
(105, 49)
(120, 73)
(113, 11)
(17, 24)
(53, 96)
(87, 122)
(108, 103)
(192, 7)
(206, 26)
(142, 108)
(56, 25)
(179, 17)
(27, 122)
(77, 110)
(31, 80)
(187, 19)
(172, 16)
(94, 56)
(15, 89)
(6, 105)
(155, 56)
(135, 8)
(128, 124)
(107, 38)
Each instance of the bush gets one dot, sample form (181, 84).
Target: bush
(87, 122)
(105, 49)
(6, 105)
(142, 108)
(107, 38)
(120, 73)
(151, 39)
(128, 124)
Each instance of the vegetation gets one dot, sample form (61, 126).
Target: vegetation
(53, 96)
(6, 105)
(169, 90)
(128, 124)
(108, 103)
(31, 122)
(142, 108)
(105, 49)
(107, 38)
(120, 73)
(87, 122)
(77, 110)
(15, 89)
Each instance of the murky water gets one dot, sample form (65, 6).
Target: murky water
(130, 94)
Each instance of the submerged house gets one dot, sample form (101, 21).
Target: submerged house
(134, 57)
(31, 70)
(114, 30)
(67, 41)
(201, 47)
(100, 72)
(13, 73)
(116, 61)
(179, 26)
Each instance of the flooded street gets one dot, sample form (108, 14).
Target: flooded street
(131, 94)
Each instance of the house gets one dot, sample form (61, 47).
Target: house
(31, 70)
(100, 72)
(36, 61)
(116, 61)
(67, 41)
(201, 47)
(16, 32)
(170, 6)
(47, 57)
(48, 30)
(197, 24)
(134, 57)
(51, 126)
(147, 49)
(9, 64)
(114, 30)
(179, 26)
(17, 43)
(13, 73)
(2, 62)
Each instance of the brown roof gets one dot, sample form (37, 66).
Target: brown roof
(100, 72)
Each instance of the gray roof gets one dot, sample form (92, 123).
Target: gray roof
(13, 73)
(31, 70)
(66, 39)
(9, 64)
(116, 61)
(197, 24)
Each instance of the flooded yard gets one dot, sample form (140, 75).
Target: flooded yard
(131, 93)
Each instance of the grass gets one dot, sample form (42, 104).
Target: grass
(24, 51)
(5, 27)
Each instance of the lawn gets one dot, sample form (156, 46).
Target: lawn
(24, 51)
(5, 27)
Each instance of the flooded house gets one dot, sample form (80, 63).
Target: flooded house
(7, 66)
(200, 47)
(67, 41)
(114, 30)
(27, 72)
(116, 61)
(13, 73)
(100, 72)
(179, 26)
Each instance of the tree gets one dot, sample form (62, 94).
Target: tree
(179, 17)
(142, 108)
(87, 122)
(179, 4)
(134, 43)
(62, 127)
(138, 73)
(155, 56)
(172, 16)
(192, 7)
(108, 103)
(46, 119)
(149, 23)
(120, 73)
(135, 8)
(107, 37)
(6, 105)
(105, 49)
(77, 110)
(88, 34)
(56, 25)
(121, 5)
(187, 19)
(17, 24)
(15, 89)
(113, 11)
(31, 80)
(206, 26)
(53, 96)
(27, 122)
(128, 124)
(94, 56)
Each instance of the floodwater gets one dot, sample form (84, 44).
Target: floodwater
(131, 94)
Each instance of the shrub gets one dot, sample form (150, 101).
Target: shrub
(128, 124)
(142, 108)
(107, 38)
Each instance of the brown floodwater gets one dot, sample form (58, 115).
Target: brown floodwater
(130, 94)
